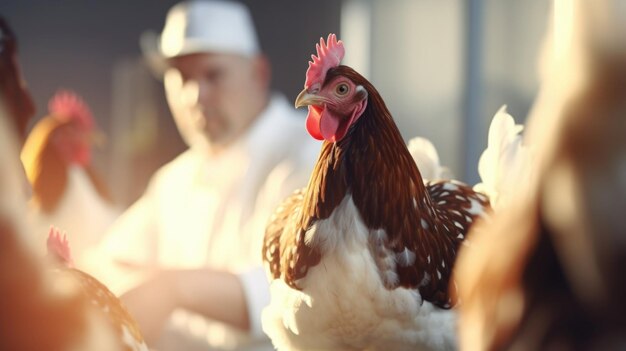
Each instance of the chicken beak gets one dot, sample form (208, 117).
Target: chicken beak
(305, 99)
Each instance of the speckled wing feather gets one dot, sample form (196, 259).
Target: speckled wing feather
(284, 249)
(112, 308)
(425, 257)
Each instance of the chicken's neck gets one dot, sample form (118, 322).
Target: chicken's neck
(372, 164)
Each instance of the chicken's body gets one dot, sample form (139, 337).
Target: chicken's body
(99, 296)
(361, 258)
(344, 303)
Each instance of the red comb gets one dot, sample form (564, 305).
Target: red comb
(59, 246)
(66, 105)
(328, 55)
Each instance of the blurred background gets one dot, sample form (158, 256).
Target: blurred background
(444, 67)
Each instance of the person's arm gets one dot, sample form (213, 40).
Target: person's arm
(217, 295)
(126, 255)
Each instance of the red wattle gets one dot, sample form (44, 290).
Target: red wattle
(329, 126)
(323, 124)
(313, 122)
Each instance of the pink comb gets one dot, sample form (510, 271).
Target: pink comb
(59, 246)
(328, 56)
(66, 105)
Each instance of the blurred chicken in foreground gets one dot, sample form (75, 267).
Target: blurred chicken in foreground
(38, 312)
(546, 273)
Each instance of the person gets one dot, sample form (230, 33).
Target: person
(194, 237)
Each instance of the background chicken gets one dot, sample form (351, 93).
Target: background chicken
(547, 273)
(98, 294)
(362, 257)
(67, 192)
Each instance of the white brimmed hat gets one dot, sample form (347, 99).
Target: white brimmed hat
(191, 27)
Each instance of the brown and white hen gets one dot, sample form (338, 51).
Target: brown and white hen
(362, 257)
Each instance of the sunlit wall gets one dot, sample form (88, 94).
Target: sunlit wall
(427, 57)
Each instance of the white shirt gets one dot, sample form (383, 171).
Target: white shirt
(211, 211)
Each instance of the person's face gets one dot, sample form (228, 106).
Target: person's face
(215, 97)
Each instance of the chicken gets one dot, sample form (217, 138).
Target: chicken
(361, 258)
(98, 294)
(67, 191)
(38, 311)
(546, 274)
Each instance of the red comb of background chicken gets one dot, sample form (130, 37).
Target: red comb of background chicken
(59, 247)
(66, 105)
(328, 55)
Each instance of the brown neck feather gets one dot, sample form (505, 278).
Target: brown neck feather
(373, 164)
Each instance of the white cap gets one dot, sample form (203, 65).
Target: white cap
(208, 26)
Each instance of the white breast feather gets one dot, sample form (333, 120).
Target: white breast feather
(344, 305)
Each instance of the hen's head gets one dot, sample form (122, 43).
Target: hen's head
(335, 100)
(74, 136)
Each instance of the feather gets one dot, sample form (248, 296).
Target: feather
(505, 165)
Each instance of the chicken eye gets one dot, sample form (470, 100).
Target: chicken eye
(342, 89)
